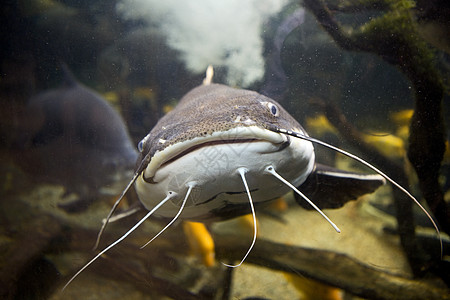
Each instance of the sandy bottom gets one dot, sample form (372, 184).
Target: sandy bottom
(362, 237)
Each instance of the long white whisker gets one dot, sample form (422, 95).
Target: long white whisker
(242, 172)
(191, 185)
(123, 215)
(370, 166)
(170, 195)
(271, 170)
(113, 209)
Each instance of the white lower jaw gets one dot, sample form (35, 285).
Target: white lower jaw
(214, 170)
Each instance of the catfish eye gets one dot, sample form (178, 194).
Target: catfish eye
(141, 145)
(273, 109)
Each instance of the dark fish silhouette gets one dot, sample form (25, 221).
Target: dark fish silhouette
(72, 137)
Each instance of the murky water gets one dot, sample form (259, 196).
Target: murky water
(83, 82)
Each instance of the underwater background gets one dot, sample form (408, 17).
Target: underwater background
(82, 82)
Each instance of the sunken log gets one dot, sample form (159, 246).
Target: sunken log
(17, 261)
(331, 268)
(394, 37)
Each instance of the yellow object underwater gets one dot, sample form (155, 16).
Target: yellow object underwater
(402, 117)
(279, 205)
(389, 145)
(143, 92)
(167, 108)
(111, 97)
(200, 241)
(319, 125)
(446, 159)
(247, 222)
(313, 290)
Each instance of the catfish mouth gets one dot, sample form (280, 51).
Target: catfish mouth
(281, 146)
(237, 136)
(207, 144)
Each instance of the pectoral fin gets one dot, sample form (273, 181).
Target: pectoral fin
(328, 187)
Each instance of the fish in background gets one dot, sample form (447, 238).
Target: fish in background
(71, 136)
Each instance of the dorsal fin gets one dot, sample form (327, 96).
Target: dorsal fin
(209, 75)
(69, 79)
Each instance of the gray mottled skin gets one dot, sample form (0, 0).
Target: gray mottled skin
(201, 112)
(210, 109)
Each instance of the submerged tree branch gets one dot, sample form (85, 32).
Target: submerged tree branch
(403, 204)
(393, 37)
(330, 268)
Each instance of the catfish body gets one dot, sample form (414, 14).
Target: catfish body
(212, 132)
(222, 152)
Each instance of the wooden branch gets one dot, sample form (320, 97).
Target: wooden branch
(34, 238)
(393, 37)
(131, 263)
(330, 268)
(355, 6)
(403, 204)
